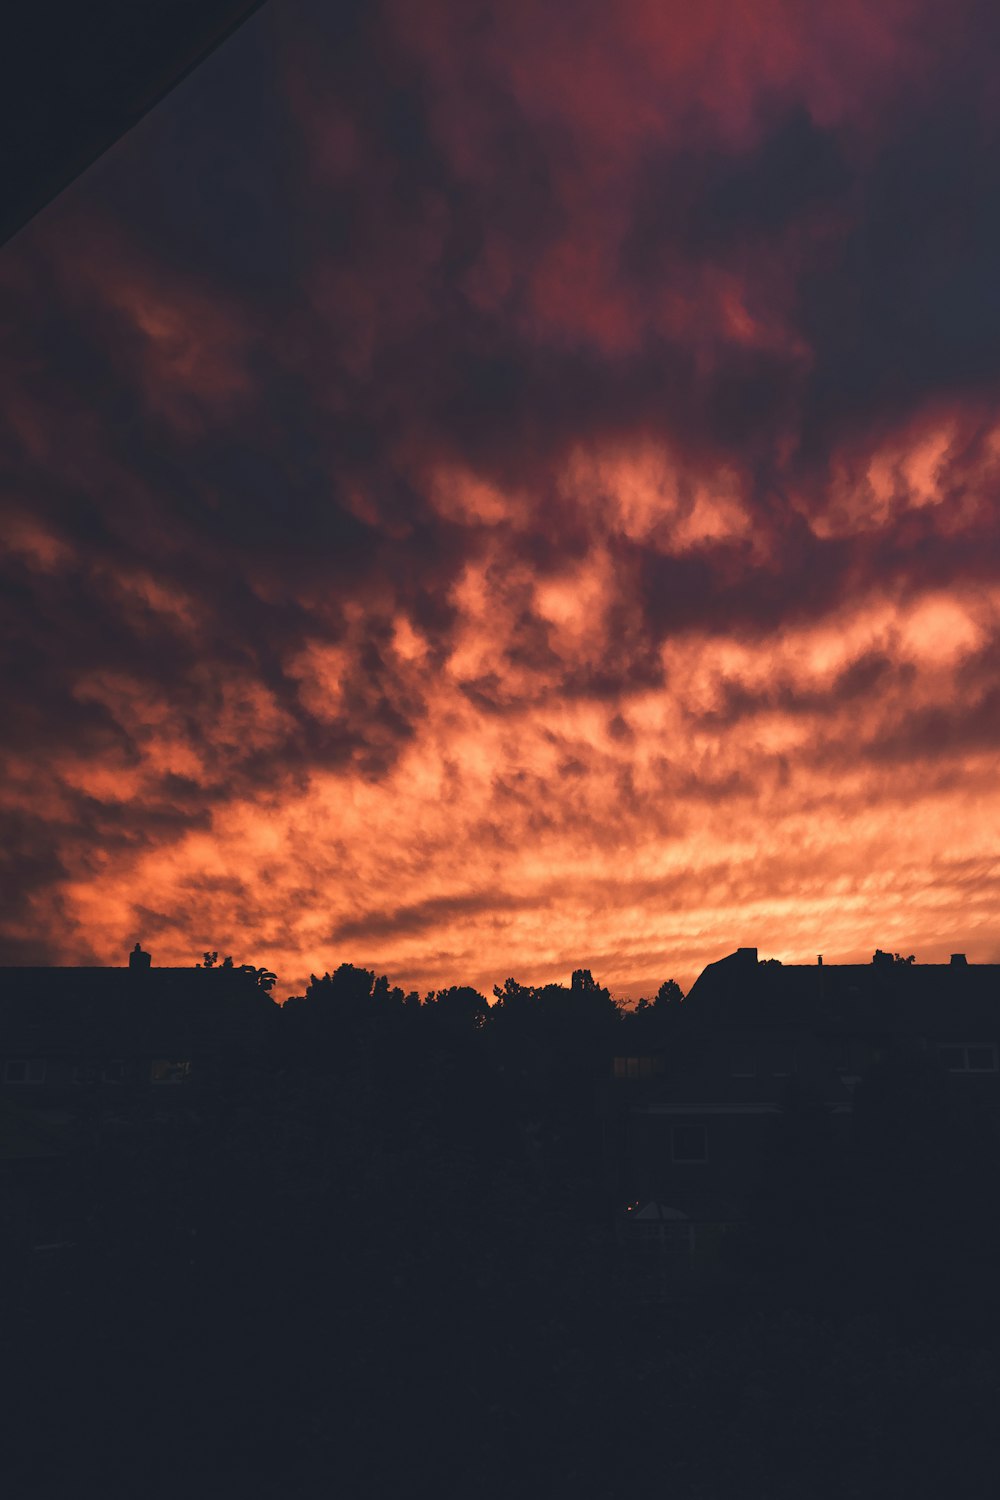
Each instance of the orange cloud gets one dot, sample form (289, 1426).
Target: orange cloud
(535, 509)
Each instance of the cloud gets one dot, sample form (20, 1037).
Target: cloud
(510, 492)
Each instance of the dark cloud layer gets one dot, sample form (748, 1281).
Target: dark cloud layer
(456, 461)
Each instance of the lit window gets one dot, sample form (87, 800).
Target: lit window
(689, 1143)
(169, 1071)
(24, 1070)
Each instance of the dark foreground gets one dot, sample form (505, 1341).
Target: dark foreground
(363, 1284)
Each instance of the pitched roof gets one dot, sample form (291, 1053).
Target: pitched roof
(955, 1000)
(658, 1213)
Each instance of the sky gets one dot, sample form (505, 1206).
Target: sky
(496, 489)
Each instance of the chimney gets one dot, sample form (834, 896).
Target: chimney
(959, 958)
(137, 959)
(819, 959)
(748, 955)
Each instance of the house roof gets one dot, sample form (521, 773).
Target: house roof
(126, 1010)
(955, 1000)
(658, 1213)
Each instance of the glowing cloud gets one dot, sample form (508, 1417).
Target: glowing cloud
(536, 507)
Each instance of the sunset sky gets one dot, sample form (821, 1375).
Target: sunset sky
(496, 489)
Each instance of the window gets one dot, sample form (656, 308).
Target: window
(744, 1064)
(109, 1072)
(689, 1143)
(24, 1070)
(165, 1070)
(969, 1057)
(637, 1067)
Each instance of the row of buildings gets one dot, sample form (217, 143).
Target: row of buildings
(696, 1117)
(687, 1120)
(85, 1051)
(63, 1030)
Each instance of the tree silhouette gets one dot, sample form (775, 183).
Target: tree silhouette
(459, 1008)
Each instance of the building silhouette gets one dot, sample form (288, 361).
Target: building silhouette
(148, 1032)
(757, 1045)
(728, 1105)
